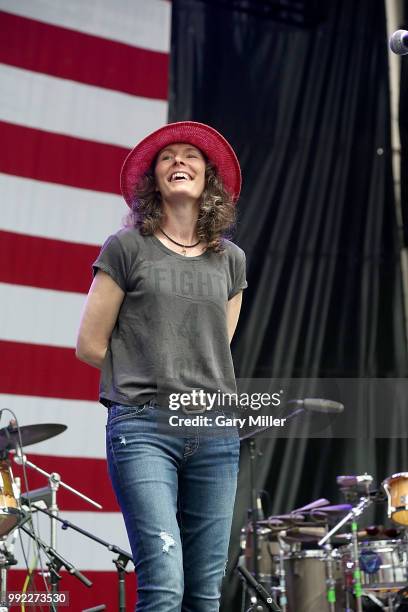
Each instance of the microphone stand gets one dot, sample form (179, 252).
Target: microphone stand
(55, 563)
(257, 586)
(120, 562)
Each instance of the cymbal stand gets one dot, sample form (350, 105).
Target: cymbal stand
(283, 600)
(352, 516)
(330, 581)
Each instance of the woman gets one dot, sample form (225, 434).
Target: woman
(158, 320)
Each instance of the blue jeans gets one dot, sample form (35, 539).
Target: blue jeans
(176, 493)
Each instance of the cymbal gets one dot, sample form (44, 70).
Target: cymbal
(30, 434)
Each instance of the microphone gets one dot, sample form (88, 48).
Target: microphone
(314, 404)
(399, 42)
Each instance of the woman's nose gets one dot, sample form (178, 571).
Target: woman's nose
(178, 159)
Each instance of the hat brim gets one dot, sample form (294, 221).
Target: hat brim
(214, 146)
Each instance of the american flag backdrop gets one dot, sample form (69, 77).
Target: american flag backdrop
(81, 81)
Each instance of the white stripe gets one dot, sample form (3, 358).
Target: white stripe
(55, 211)
(59, 105)
(80, 417)
(134, 22)
(39, 316)
(83, 552)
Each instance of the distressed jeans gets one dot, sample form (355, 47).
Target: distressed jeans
(176, 493)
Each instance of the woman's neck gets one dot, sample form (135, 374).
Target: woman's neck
(180, 223)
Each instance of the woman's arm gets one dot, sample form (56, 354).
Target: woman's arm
(98, 319)
(233, 310)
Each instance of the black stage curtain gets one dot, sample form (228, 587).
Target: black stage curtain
(307, 110)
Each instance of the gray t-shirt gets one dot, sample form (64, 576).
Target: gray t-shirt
(171, 332)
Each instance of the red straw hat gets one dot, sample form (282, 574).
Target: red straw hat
(214, 146)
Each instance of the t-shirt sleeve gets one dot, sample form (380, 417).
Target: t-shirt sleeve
(112, 260)
(239, 280)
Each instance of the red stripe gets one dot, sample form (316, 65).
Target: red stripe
(53, 264)
(68, 54)
(56, 158)
(45, 371)
(103, 591)
(87, 475)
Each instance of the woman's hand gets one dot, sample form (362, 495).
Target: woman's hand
(99, 316)
(233, 310)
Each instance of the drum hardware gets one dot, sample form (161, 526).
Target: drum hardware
(283, 551)
(361, 483)
(330, 579)
(55, 482)
(383, 569)
(268, 552)
(7, 560)
(352, 516)
(12, 513)
(366, 573)
(35, 495)
(10, 509)
(54, 479)
(303, 406)
(35, 500)
(296, 595)
(401, 600)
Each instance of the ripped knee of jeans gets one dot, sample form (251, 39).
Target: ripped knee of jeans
(168, 541)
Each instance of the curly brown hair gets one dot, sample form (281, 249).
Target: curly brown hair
(216, 218)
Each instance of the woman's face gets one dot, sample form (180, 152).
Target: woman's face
(180, 172)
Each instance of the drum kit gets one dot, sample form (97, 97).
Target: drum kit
(317, 559)
(16, 513)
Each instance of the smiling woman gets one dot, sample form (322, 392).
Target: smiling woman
(216, 214)
(158, 320)
(179, 173)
